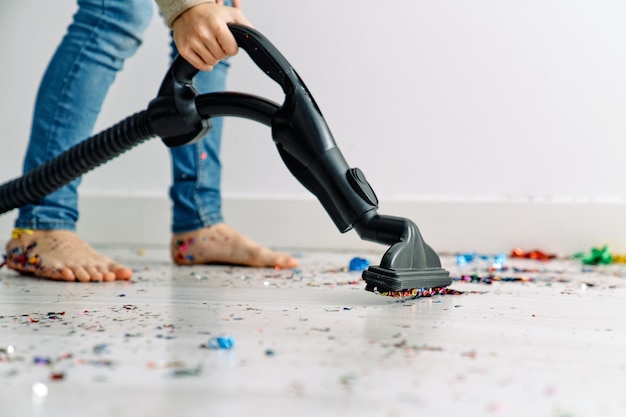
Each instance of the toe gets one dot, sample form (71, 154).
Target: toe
(65, 274)
(81, 274)
(288, 261)
(122, 273)
(94, 274)
(107, 275)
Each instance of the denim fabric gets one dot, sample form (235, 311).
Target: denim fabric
(102, 35)
(196, 169)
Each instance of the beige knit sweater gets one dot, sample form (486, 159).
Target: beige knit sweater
(171, 9)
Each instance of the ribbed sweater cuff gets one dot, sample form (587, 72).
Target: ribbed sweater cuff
(171, 9)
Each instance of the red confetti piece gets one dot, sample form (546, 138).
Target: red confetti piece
(536, 255)
(56, 376)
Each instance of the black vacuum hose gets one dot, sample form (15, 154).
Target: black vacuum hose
(176, 115)
(75, 162)
(134, 130)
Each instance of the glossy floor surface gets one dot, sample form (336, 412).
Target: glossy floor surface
(550, 341)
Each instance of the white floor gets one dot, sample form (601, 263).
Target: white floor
(312, 342)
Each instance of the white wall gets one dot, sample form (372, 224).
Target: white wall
(449, 103)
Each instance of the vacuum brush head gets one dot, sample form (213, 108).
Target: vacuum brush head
(406, 282)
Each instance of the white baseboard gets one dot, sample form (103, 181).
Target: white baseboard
(448, 226)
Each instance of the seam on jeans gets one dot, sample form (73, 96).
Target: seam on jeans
(188, 227)
(55, 121)
(37, 224)
(205, 218)
(196, 193)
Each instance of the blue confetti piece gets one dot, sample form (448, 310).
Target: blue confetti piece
(100, 348)
(498, 261)
(41, 360)
(465, 258)
(222, 342)
(358, 264)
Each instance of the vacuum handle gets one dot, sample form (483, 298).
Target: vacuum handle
(261, 51)
(173, 114)
(266, 56)
(182, 71)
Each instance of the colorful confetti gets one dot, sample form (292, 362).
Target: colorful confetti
(420, 292)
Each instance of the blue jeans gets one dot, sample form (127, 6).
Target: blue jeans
(103, 34)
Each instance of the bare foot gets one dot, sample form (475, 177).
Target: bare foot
(60, 255)
(220, 244)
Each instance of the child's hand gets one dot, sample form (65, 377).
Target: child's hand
(202, 36)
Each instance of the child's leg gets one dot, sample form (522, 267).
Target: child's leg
(199, 233)
(101, 36)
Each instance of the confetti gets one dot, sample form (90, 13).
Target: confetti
(358, 264)
(7, 350)
(222, 342)
(186, 372)
(100, 348)
(597, 256)
(57, 376)
(420, 292)
(24, 257)
(6, 353)
(397, 340)
(536, 255)
(42, 360)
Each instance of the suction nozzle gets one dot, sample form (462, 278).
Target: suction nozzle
(409, 263)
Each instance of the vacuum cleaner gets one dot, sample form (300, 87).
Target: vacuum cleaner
(179, 116)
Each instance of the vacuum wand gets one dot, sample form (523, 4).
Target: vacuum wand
(179, 115)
